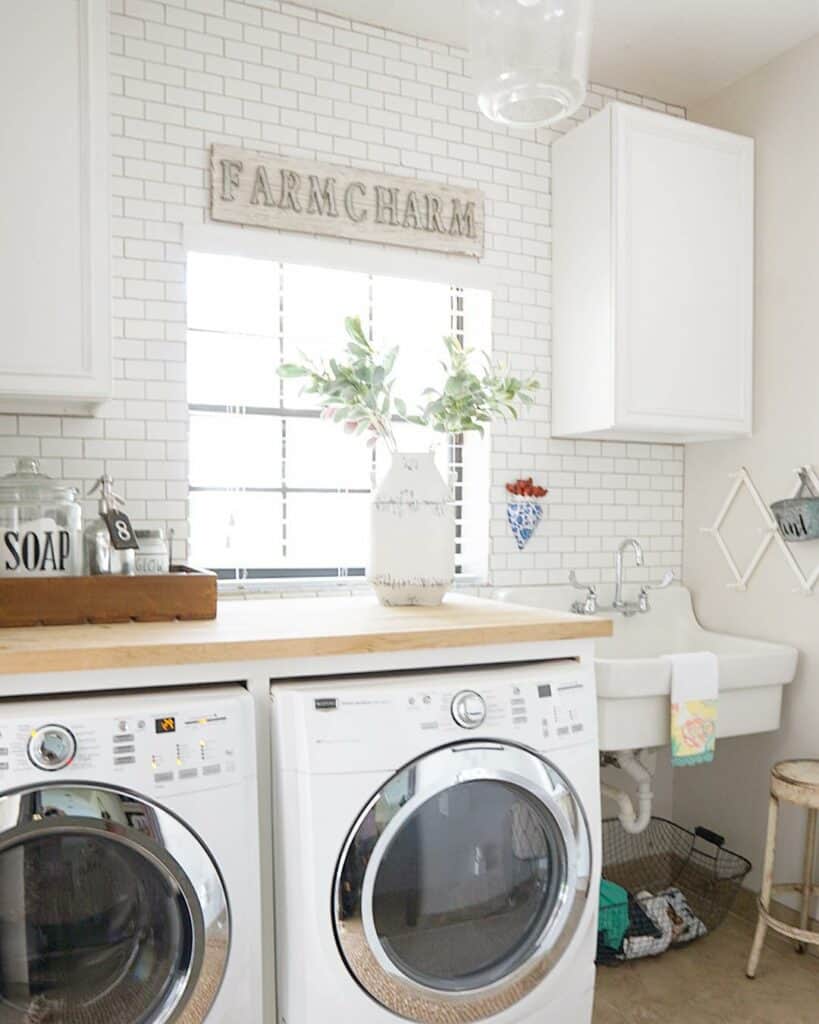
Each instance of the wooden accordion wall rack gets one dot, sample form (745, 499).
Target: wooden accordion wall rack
(770, 531)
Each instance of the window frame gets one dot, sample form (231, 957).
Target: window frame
(457, 273)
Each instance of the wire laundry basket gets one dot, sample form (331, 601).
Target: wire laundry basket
(665, 857)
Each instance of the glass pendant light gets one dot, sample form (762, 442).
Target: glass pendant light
(530, 58)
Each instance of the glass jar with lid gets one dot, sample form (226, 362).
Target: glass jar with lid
(153, 556)
(40, 524)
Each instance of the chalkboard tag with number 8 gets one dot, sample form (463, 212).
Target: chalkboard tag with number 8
(122, 533)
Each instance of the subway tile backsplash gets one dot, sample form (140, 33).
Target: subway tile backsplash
(297, 82)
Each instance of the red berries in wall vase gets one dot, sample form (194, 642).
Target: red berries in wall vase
(523, 510)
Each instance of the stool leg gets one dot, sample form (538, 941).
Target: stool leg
(767, 883)
(807, 875)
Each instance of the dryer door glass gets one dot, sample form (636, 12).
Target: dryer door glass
(463, 882)
(466, 887)
(99, 920)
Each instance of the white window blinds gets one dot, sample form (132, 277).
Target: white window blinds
(275, 491)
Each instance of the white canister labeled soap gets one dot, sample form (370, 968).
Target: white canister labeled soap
(152, 557)
(40, 524)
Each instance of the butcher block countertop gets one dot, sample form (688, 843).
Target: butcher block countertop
(271, 628)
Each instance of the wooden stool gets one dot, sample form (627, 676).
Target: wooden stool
(797, 782)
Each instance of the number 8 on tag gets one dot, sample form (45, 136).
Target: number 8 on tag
(122, 533)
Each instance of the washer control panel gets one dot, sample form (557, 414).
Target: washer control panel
(145, 742)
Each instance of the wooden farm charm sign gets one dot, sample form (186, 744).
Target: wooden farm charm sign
(322, 199)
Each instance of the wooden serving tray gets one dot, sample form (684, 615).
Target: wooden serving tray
(183, 593)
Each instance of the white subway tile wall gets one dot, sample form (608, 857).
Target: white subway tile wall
(291, 81)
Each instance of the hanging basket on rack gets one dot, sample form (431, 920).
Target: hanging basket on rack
(798, 518)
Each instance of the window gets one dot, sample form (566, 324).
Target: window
(275, 491)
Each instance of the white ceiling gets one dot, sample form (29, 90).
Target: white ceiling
(679, 51)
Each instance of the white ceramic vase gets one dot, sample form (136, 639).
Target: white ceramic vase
(412, 534)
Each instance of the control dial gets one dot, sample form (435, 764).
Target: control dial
(468, 709)
(52, 747)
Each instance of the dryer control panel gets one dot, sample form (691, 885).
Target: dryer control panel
(160, 742)
(381, 721)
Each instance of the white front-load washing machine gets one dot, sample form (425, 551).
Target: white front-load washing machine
(129, 869)
(437, 841)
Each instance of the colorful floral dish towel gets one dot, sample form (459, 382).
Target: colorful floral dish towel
(694, 703)
(523, 518)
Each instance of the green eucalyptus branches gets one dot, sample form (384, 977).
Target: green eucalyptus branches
(470, 400)
(358, 390)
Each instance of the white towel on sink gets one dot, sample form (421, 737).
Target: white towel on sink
(694, 704)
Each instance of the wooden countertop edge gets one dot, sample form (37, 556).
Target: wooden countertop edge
(157, 654)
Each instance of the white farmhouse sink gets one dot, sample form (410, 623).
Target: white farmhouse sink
(634, 681)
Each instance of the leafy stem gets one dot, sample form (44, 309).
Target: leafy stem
(356, 391)
(471, 400)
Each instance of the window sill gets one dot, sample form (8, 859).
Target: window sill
(235, 590)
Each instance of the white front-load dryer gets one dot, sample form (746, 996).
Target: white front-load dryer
(437, 846)
(129, 867)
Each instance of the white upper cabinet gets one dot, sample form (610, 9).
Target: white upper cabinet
(653, 279)
(55, 321)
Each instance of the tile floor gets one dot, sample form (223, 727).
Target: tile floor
(706, 984)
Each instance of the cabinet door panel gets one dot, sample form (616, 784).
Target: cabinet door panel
(684, 275)
(53, 200)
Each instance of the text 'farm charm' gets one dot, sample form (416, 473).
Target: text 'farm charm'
(262, 190)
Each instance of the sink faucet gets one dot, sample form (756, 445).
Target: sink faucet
(589, 605)
(626, 607)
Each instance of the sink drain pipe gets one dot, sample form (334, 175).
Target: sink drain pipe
(633, 821)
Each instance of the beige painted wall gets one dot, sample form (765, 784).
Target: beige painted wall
(779, 107)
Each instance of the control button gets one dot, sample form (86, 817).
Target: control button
(130, 759)
(123, 737)
(122, 749)
(4, 766)
(563, 730)
(468, 709)
(519, 720)
(577, 727)
(51, 748)
(429, 725)
(188, 773)
(4, 751)
(163, 776)
(211, 769)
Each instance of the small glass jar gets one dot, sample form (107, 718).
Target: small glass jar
(40, 524)
(153, 556)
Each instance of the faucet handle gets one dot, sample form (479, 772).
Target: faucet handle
(587, 606)
(575, 582)
(666, 581)
(642, 600)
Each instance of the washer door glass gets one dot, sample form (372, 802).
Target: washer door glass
(99, 922)
(463, 882)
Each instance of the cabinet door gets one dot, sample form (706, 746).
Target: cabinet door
(684, 276)
(54, 230)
